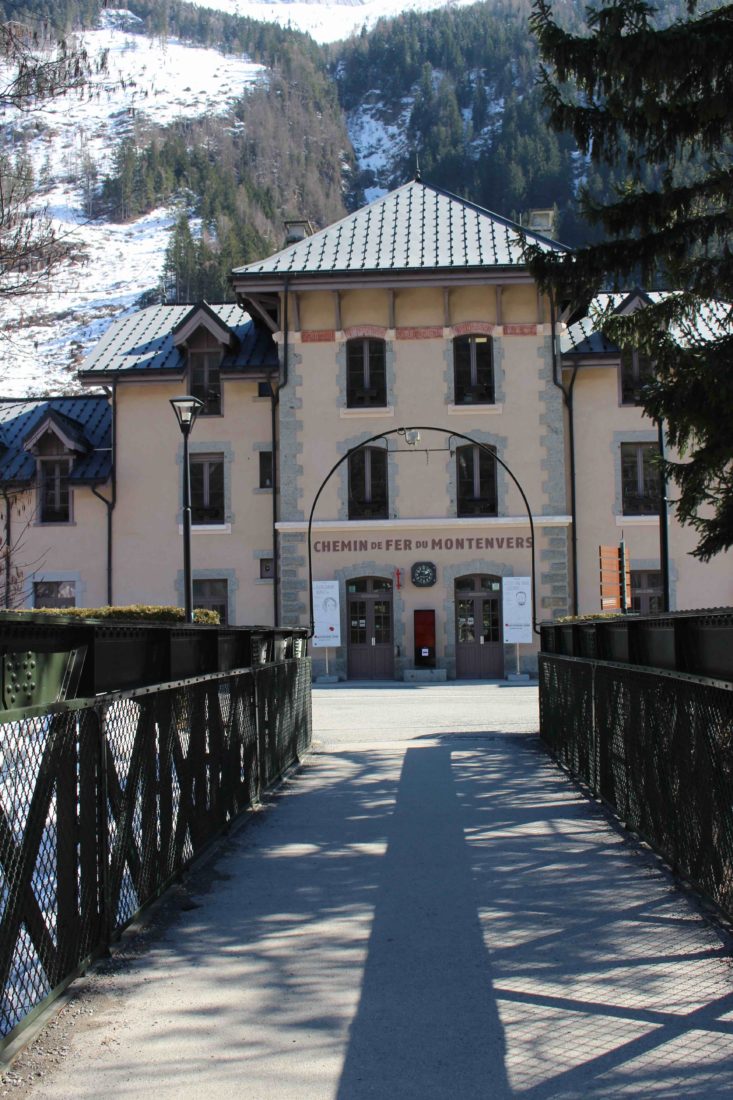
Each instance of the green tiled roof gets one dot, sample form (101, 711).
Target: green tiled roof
(585, 337)
(88, 419)
(415, 228)
(143, 341)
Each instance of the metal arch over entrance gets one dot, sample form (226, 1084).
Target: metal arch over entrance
(414, 430)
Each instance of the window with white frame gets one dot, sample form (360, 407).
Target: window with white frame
(212, 595)
(647, 595)
(366, 373)
(640, 484)
(265, 469)
(368, 484)
(473, 370)
(205, 380)
(476, 482)
(54, 594)
(54, 493)
(207, 489)
(636, 371)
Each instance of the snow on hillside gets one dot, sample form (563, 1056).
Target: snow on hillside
(146, 80)
(43, 337)
(325, 20)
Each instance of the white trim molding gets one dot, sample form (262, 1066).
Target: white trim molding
(438, 523)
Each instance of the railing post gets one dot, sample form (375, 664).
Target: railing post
(108, 921)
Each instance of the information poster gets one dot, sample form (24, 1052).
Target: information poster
(517, 607)
(326, 614)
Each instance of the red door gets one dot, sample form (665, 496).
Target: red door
(424, 639)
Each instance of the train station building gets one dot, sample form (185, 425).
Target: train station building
(400, 370)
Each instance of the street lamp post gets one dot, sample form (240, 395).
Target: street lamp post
(187, 409)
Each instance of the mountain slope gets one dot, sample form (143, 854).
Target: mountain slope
(73, 144)
(211, 128)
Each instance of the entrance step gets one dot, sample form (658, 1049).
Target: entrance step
(425, 675)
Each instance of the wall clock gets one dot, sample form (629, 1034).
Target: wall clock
(424, 574)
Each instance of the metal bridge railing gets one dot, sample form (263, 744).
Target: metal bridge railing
(658, 747)
(104, 801)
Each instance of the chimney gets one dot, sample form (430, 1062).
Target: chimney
(541, 221)
(297, 230)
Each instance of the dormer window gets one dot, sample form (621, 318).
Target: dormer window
(205, 379)
(54, 496)
(636, 371)
(55, 444)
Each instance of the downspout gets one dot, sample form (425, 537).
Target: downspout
(663, 524)
(274, 402)
(567, 395)
(110, 504)
(8, 532)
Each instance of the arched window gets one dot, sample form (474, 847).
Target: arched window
(366, 377)
(473, 370)
(368, 484)
(476, 479)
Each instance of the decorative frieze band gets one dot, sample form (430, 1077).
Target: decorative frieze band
(318, 336)
(424, 332)
(521, 330)
(473, 328)
(372, 332)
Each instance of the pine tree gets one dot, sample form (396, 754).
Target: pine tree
(180, 265)
(639, 96)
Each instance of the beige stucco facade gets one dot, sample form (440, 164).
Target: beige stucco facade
(420, 579)
(73, 553)
(148, 519)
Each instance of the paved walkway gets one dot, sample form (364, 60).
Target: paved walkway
(428, 910)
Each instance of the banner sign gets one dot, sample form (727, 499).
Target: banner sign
(326, 614)
(517, 608)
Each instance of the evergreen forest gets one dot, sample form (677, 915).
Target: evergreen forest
(460, 84)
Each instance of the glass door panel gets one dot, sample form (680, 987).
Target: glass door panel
(490, 618)
(357, 622)
(382, 622)
(466, 630)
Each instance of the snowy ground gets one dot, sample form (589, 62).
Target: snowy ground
(146, 80)
(43, 337)
(325, 20)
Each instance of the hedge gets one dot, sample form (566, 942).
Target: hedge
(134, 613)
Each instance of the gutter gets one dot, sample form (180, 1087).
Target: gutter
(567, 395)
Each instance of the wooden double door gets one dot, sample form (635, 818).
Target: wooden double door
(371, 633)
(479, 648)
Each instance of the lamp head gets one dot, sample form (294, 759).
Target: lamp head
(186, 409)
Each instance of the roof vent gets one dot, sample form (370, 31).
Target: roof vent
(540, 221)
(297, 230)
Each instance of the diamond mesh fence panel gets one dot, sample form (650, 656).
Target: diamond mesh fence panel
(102, 803)
(658, 747)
